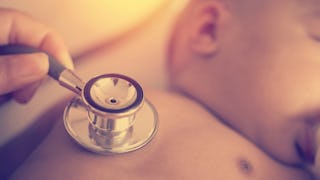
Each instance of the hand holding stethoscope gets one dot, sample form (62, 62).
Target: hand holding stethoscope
(20, 74)
(109, 113)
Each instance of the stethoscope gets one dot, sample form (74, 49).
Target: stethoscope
(109, 114)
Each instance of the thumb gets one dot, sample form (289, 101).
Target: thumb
(17, 71)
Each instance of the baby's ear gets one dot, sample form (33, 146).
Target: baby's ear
(205, 26)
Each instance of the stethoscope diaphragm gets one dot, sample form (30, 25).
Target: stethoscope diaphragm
(112, 116)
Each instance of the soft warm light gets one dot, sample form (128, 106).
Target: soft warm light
(83, 22)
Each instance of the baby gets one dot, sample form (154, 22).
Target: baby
(249, 94)
(256, 66)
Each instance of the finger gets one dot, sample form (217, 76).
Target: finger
(17, 71)
(18, 28)
(26, 93)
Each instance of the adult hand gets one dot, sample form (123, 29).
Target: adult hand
(21, 74)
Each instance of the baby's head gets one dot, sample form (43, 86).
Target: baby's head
(256, 65)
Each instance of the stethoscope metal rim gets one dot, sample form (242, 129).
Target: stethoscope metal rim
(102, 110)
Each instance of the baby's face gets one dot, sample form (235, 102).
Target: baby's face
(265, 80)
(276, 84)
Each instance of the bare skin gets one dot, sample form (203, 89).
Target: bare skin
(190, 144)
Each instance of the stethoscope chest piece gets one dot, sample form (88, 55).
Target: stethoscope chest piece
(111, 116)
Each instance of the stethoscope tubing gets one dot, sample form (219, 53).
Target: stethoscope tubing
(66, 77)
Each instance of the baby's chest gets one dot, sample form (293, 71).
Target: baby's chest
(210, 153)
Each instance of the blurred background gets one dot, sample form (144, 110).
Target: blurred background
(84, 23)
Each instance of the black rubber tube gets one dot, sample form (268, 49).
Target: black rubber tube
(55, 67)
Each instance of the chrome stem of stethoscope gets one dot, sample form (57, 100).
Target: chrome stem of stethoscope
(71, 81)
(110, 113)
